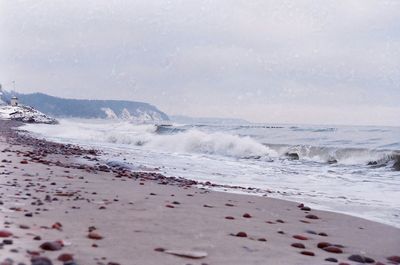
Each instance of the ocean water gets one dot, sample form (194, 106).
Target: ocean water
(347, 169)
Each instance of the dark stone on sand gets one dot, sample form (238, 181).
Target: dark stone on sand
(159, 249)
(300, 237)
(230, 218)
(322, 234)
(37, 238)
(262, 240)
(29, 214)
(113, 263)
(311, 232)
(280, 221)
(246, 215)
(311, 216)
(298, 245)
(323, 245)
(41, 261)
(306, 208)
(51, 246)
(241, 234)
(7, 242)
(65, 257)
(57, 226)
(331, 260)
(361, 259)
(229, 204)
(332, 249)
(169, 206)
(307, 253)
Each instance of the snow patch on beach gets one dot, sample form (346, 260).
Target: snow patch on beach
(24, 114)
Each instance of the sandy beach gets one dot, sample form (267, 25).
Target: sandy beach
(60, 205)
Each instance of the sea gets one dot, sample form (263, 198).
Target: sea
(348, 169)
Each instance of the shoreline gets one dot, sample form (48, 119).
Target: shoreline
(141, 216)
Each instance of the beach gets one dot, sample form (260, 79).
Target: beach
(61, 202)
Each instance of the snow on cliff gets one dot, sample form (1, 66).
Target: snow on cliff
(24, 114)
(140, 116)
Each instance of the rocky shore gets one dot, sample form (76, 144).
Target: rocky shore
(59, 204)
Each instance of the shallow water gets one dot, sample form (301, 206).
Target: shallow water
(339, 168)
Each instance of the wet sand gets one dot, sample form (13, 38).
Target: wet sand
(58, 201)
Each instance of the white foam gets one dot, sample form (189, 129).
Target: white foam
(122, 132)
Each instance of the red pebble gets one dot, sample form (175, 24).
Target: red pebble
(323, 245)
(65, 257)
(57, 226)
(4, 233)
(395, 259)
(94, 235)
(332, 249)
(51, 246)
(299, 237)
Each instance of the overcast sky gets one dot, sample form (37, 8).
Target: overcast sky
(278, 61)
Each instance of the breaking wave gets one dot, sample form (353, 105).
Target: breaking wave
(347, 156)
(194, 140)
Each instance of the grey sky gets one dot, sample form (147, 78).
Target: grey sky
(265, 61)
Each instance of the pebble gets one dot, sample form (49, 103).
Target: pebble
(159, 249)
(323, 245)
(4, 233)
(94, 235)
(7, 242)
(332, 249)
(57, 226)
(187, 253)
(298, 245)
(241, 234)
(331, 260)
(311, 216)
(395, 259)
(230, 218)
(305, 208)
(65, 257)
(300, 237)
(41, 261)
(307, 253)
(246, 215)
(51, 246)
(361, 259)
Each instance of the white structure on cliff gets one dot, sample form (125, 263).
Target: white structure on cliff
(1, 95)
(14, 101)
